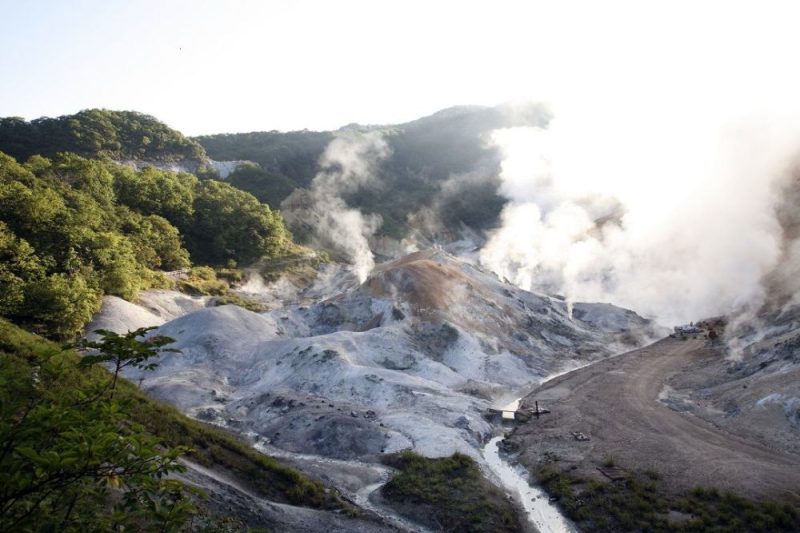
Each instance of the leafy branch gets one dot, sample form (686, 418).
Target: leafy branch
(123, 351)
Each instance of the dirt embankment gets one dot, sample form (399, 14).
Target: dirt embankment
(617, 405)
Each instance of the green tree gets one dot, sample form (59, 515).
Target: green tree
(98, 133)
(115, 265)
(123, 351)
(74, 229)
(59, 304)
(157, 192)
(230, 224)
(157, 243)
(268, 187)
(31, 209)
(85, 175)
(70, 457)
(18, 266)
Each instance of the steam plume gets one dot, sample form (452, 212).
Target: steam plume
(671, 213)
(348, 163)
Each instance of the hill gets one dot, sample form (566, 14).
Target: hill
(443, 163)
(412, 357)
(98, 133)
(440, 173)
(339, 374)
(647, 458)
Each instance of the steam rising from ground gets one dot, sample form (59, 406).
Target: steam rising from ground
(670, 212)
(348, 163)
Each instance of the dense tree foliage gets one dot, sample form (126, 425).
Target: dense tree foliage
(269, 188)
(293, 155)
(97, 133)
(157, 192)
(231, 225)
(73, 229)
(157, 243)
(18, 265)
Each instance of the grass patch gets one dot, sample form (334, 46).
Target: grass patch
(233, 298)
(206, 281)
(639, 503)
(203, 281)
(448, 494)
(299, 264)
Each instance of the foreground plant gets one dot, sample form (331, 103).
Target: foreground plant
(70, 456)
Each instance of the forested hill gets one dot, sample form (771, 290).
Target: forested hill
(441, 164)
(73, 229)
(443, 161)
(97, 133)
(292, 155)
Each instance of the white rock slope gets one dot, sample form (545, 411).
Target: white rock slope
(410, 359)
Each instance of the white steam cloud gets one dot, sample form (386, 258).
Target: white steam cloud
(348, 163)
(668, 210)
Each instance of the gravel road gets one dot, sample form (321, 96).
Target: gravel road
(616, 404)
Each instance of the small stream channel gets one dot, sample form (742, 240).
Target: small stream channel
(542, 514)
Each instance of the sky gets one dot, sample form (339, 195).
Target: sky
(210, 67)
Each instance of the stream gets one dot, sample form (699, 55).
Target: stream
(542, 514)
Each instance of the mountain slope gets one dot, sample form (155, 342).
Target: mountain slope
(751, 384)
(273, 492)
(73, 229)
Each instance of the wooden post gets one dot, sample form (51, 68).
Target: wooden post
(537, 408)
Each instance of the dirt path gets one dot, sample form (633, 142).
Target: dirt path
(616, 404)
(229, 498)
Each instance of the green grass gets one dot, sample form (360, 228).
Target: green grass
(448, 494)
(233, 298)
(206, 281)
(299, 263)
(639, 503)
(203, 281)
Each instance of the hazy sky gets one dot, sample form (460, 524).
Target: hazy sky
(206, 67)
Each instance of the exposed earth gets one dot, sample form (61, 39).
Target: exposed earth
(623, 406)
(338, 374)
